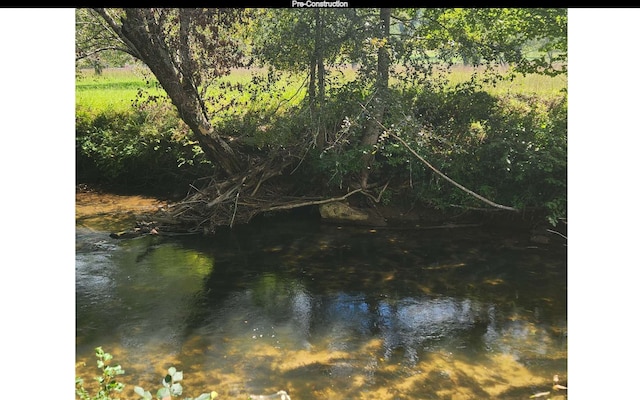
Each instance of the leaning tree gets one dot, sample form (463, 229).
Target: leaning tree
(183, 47)
(186, 50)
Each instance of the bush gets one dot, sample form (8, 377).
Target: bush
(511, 149)
(146, 147)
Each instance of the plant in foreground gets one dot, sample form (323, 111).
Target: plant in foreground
(171, 387)
(107, 380)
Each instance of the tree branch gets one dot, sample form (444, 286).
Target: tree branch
(311, 203)
(116, 28)
(100, 50)
(456, 184)
(445, 177)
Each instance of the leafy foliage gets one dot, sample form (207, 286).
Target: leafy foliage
(108, 385)
(534, 40)
(171, 387)
(510, 148)
(146, 147)
(95, 46)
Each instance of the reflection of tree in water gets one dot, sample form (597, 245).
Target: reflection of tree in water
(343, 335)
(333, 313)
(414, 325)
(365, 310)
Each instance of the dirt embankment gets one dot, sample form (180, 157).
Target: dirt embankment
(104, 211)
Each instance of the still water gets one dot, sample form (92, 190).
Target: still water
(326, 311)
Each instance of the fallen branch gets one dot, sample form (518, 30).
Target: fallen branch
(235, 209)
(454, 183)
(418, 228)
(377, 199)
(445, 177)
(557, 233)
(310, 203)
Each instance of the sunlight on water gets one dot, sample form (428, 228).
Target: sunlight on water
(323, 312)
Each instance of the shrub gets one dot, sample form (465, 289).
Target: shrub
(511, 149)
(146, 147)
(109, 386)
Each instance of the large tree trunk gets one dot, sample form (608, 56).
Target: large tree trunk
(378, 103)
(146, 39)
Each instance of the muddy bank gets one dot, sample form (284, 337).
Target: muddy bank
(105, 211)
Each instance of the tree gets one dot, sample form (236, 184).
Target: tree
(381, 95)
(308, 41)
(187, 49)
(183, 48)
(490, 36)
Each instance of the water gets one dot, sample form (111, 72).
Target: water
(325, 311)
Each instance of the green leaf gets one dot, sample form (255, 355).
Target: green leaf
(145, 394)
(163, 392)
(176, 389)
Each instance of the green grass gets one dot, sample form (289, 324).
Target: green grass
(541, 85)
(287, 91)
(116, 89)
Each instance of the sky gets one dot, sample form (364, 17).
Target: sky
(38, 199)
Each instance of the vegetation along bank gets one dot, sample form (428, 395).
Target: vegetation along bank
(442, 114)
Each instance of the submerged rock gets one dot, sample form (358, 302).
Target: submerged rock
(339, 211)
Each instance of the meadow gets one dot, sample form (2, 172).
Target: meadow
(116, 88)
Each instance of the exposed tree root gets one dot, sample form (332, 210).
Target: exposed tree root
(238, 200)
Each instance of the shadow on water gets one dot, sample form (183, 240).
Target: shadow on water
(325, 311)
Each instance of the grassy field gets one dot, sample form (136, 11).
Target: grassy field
(531, 84)
(116, 88)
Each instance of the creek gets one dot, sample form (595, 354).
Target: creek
(323, 311)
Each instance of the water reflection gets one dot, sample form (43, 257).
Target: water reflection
(324, 312)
